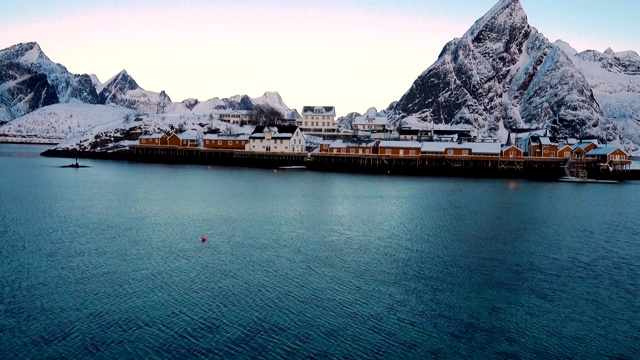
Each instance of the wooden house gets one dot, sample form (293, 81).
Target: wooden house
(153, 139)
(324, 145)
(564, 151)
(511, 151)
(399, 148)
(173, 140)
(226, 141)
(538, 146)
(581, 148)
(608, 155)
(277, 138)
(360, 147)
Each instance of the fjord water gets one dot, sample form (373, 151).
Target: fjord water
(106, 262)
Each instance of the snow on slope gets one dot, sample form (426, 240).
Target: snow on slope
(61, 121)
(615, 80)
(121, 132)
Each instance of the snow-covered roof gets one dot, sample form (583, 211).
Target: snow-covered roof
(229, 111)
(322, 110)
(400, 144)
(363, 120)
(279, 131)
(603, 151)
(189, 135)
(352, 143)
(476, 148)
(152, 136)
(226, 137)
(584, 144)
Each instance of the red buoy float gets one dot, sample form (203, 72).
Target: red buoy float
(204, 238)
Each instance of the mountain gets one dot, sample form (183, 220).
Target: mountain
(614, 78)
(68, 86)
(22, 90)
(502, 73)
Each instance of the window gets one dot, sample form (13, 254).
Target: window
(450, 151)
(352, 151)
(219, 142)
(230, 142)
(388, 151)
(465, 152)
(335, 150)
(512, 153)
(412, 152)
(552, 153)
(367, 151)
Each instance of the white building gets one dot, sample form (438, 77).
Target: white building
(318, 120)
(277, 138)
(235, 117)
(377, 127)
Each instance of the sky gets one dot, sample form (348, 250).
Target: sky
(351, 54)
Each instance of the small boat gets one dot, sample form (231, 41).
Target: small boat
(574, 179)
(76, 165)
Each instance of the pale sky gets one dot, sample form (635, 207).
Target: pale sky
(352, 54)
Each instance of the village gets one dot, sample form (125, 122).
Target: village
(373, 142)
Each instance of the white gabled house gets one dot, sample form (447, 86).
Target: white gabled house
(277, 138)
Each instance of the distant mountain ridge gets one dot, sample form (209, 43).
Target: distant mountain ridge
(502, 73)
(30, 80)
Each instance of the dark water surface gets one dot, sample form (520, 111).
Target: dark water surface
(106, 262)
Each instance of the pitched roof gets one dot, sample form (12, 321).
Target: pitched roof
(152, 136)
(279, 131)
(400, 144)
(353, 143)
(226, 137)
(603, 151)
(326, 110)
(476, 148)
(363, 120)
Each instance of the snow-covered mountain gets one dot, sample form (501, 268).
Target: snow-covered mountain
(29, 81)
(22, 90)
(68, 86)
(615, 80)
(502, 73)
(69, 120)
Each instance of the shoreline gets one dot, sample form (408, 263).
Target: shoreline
(418, 166)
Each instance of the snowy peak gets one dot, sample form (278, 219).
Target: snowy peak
(503, 16)
(624, 62)
(503, 73)
(117, 86)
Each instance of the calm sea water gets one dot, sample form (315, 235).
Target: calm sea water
(106, 262)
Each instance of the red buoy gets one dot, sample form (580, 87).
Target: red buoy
(204, 238)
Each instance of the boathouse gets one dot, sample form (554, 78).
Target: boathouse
(608, 154)
(511, 151)
(226, 141)
(361, 147)
(153, 139)
(399, 148)
(564, 151)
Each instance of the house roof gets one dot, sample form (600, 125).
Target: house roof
(152, 136)
(476, 148)
(279, 131)
(584, 144)
(400, 144)
(189, 135)
(603, 151)
(364, 120)
(353, 143)
(226, 137)
(326, 110)
(505, 147)
(229, 111)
